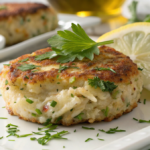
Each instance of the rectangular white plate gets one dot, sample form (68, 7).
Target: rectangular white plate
(137, 135)
(40, 41)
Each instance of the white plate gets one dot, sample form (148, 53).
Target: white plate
(40, 41)
(137, 135)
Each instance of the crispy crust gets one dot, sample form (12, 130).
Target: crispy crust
(15, 9)
(130, 108)
(123, 65)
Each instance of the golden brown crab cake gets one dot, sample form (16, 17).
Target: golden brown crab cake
(63, 93)
(21, 21)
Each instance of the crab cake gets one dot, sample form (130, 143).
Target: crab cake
(21, 21)
(71, 93)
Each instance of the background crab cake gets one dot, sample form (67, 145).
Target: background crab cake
(70, 93)
(21, 21)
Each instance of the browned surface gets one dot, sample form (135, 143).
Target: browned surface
(14, 9)
(124, 67)
(107, 119)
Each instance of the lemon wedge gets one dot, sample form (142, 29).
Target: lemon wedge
(133, 40)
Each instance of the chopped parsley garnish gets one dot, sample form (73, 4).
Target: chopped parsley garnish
(79, 116)
(88, 139)
(100, 69)
(74, 87)
(105, 111)
(6, 65)
(72, 79)
(135, 119)
(32, 138)
(29, 100)
(144, 121)
(144, 101)
(6, 82)
(24, 60)
(3, 118)
(69, 45)
(58, 119)
(61, 68)
(112, 130)
(53, 103)
(100, 139)
(25, 67)
(103, 85)
(72, 95)
(47, 55)
(1, 137)
(38, 111)
(140, 69)
(88, 128)
(33, 114)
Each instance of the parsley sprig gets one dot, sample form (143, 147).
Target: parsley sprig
(71, 45)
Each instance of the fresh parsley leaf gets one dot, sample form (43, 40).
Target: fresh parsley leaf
(112, 130)
(140, 69)
(105, 111)
(88, 128)
(103, 85)
(25, 67)
(38, 111)
(61, 68)
(47, 55)
(101, 68)
(24, 60)
(53, 103)
(71, 45)
(88, 139)
(79, 116)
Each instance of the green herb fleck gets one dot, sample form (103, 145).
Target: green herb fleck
(3, 7)
(25, 67)
(53, 103)
(3, 118)
(135, 119)
(11, 140)
(58, 119)
(25, 135)
(3, 107)
(33, 114)
(74, 87)
(72, 95)
(26, 77)
(112, 130)
(71, 109)
(32, 138)
(57, 76)
(100, 69)
(7, 88)
(24, 60)
(105, 111)
(128, 104)
(1, 137)
(101, 139)
(72, 79)
(21, 88)
(61, 68)
(38, 111)
(88, 128)
(144, 101)
(75, 130)
(103, 85)
(58, 82)
(79, 116)
(63, 146)
(115, 93)
(97, 134)
(144, 121)
(29, 100)
(140, 69)
(47, 122)
(88, 139)
(6, 65)
(6, 82)
(0, 94)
